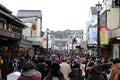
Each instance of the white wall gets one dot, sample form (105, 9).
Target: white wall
(38, 27)
(37, 22)
(113, 18)
(26, 32)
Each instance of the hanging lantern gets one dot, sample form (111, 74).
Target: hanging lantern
(34, 27)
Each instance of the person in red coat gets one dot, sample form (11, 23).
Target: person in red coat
(29, 72)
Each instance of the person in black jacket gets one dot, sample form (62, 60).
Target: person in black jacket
(76, 73)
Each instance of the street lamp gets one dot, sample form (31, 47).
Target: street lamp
(47, 39)
(99, 7)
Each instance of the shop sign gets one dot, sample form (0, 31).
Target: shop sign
(104, 39)
(44, 43)
(92, 36)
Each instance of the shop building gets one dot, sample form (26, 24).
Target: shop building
(10, 33)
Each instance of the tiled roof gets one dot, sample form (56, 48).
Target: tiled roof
(5, 9)
(93, 10)
(29, 13)
(7, 13)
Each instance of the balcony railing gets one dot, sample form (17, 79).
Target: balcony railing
(10, 34)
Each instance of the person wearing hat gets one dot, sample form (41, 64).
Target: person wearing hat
(76, 73)
(54, 73)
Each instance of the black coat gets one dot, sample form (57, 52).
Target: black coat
(76, 74)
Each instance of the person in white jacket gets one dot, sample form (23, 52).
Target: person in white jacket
(65, 68)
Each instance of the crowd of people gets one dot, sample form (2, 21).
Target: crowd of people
(59, 67)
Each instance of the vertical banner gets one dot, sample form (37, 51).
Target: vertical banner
(74, 46)
(70, 46)
(49, 43)
(44, 43)
(92, 36)
(104, 39)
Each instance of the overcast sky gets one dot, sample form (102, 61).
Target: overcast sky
(56, 14)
